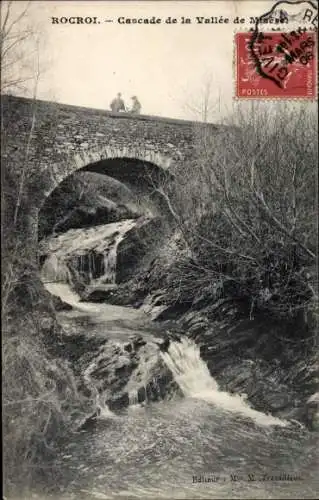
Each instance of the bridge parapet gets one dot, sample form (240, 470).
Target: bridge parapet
(67, 138)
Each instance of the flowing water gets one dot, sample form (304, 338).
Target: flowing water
(200, 443)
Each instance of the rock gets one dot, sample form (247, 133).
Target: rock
(138, 341)
(59, 305)
(154, 305)
(139, 241)
(156, 313)
(169, 337)
(118, 403)
(267, 393)
(47, 324)
(89, 422)
(165, 345)
(310, 413)
(98, 293)
(238, 377)
(277, 400)
(170, 312)
(176, 337)
(84, 216)
(195, 322)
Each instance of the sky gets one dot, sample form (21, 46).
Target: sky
(168, 66)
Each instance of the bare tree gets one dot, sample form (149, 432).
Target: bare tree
(20, 71)
(33, 402)
(19, 48)
(206, 105)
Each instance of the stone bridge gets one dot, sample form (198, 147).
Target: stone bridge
(50, 141)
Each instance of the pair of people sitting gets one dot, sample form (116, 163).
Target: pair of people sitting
(118, 105)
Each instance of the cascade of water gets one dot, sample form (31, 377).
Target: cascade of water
(133, 397)
(85, 245)
(192, 375)
(110, 261)
(99, 403)
(91, 263)
(144, 373)
(93, 266)
(57, 279)
(56, 270)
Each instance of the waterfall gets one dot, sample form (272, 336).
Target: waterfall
(80, 248)
(99, 403)
(55, 270)
(88, 247)
(133, 397)
(146, 372)
(192, 375)
(57, 279)
(110, 261)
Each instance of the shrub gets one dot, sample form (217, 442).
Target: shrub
(247, 208)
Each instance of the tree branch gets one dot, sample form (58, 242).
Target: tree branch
(166, 198)
(262, 203)
(23, 174)
(15, 21)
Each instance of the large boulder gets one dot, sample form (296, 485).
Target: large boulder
(59, 304)
(120, 374)
(98, 293)
(140, 242)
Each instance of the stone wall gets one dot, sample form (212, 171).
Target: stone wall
(66, 138)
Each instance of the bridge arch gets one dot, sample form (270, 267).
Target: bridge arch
(97, 159)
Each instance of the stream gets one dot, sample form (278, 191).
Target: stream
(198, 443)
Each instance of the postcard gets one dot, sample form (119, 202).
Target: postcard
(159, 221)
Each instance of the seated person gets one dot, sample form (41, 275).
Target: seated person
(136, 106)
(117, 104)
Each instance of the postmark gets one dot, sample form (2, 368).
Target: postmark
(278, 64)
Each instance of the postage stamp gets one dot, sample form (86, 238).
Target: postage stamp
(276, 65)
(278, 58)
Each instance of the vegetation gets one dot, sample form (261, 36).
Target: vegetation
(248, 216)
(40, 398)
(19, 49)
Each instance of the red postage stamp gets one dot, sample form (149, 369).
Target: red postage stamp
(276, 64)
